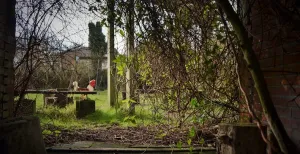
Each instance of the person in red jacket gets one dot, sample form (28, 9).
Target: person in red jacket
(91, 85)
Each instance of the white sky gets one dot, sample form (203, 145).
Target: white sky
(75, 30)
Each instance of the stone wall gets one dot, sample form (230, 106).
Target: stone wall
(7, 51)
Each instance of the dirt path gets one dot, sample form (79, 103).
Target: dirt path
(132, 136)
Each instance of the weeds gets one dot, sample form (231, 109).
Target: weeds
(103, 116)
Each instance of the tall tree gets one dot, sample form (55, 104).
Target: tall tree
(111, 71)
(98, 47)
(97, 42)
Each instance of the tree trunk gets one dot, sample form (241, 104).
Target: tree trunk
(130, 80)
(7, 52)
(111, 69)
(273, 120)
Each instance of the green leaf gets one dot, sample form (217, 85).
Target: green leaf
(132, 101)
(202, 141)
(122, 33)
(125, 119)
(192, 132)
(194, 102)
(46, 132)
(162, 135)
(189, 141)
(125, 101)
(103, 22)
(139, 35)
(191, 149)
(130, 119)
(179, 144)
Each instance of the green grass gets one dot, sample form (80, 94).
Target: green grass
(104, 115)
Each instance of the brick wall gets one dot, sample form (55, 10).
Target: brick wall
(276, 41)
(7, 51)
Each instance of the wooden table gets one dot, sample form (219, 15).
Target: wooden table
(60, 96)
(57, 92)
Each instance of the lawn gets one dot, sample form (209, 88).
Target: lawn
(104, 115)
(60, 125)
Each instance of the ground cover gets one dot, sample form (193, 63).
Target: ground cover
(104, 115)
(159, 135)
(60, 125)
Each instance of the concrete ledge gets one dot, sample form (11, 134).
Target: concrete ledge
(21, 135)
(240, 139)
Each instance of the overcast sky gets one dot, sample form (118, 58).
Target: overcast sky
(75, 30)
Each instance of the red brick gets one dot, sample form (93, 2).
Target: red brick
(280, 60)
(283, 111)
(283, 80)
(289, 132)
(295, 123)
(285, 101)
(291, 36)
(287, 122)
(269, 35)
(292, 47)
(282, 48)
(296, 102)
(265, 44)
(295, 135)
(284, 90)
(257, 28)
(271, 53)
(273, 74)
(296, 113)
(280, 102)
(282, 70)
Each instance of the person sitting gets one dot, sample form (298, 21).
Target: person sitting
(90, 88)
(91, 85)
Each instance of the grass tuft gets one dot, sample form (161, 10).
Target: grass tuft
(104, 115)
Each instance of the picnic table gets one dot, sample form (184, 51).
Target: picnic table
(59, 97)
(58, 92)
